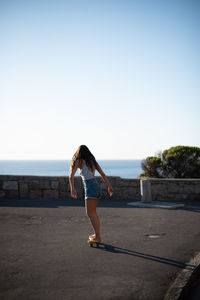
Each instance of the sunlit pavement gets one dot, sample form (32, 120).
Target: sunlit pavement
(44, 252)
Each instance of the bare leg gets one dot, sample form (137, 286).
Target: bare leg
(91, 205)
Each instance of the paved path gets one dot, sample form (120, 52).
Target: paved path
(44, 254)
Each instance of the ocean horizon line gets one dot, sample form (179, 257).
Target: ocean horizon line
(116, 167)
(68, 159)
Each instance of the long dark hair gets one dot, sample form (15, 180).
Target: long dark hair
(83, 153)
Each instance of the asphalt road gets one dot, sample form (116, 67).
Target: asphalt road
(44, 252)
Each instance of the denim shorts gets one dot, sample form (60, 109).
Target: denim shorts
(92, 188)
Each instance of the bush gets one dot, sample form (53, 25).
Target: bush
(176, 162)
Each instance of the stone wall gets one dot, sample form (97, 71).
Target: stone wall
(175, 189)
(48, 187)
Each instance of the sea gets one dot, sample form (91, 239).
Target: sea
(121, 168)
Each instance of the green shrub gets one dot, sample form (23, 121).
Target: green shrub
(176, 162)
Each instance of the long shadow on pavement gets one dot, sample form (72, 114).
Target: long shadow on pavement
(56, 203)
(113, 249)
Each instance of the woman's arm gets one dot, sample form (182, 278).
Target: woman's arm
(71, 180)
(105, 179)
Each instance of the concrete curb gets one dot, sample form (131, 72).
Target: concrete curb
(185, 279)
(157, 204)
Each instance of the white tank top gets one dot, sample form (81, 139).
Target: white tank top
(85, 173)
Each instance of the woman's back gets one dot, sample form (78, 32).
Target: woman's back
(85, 172)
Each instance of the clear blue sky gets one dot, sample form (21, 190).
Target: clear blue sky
(122, 77)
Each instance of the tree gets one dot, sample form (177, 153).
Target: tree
(176, 162)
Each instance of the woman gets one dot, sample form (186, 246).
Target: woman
(85, 161)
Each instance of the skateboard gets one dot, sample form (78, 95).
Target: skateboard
(92, 242)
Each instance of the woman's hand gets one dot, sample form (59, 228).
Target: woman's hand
(74, 194)
(110, 191)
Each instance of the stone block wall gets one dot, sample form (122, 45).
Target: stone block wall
(52, 187)
(57, 187)
(175, 189)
